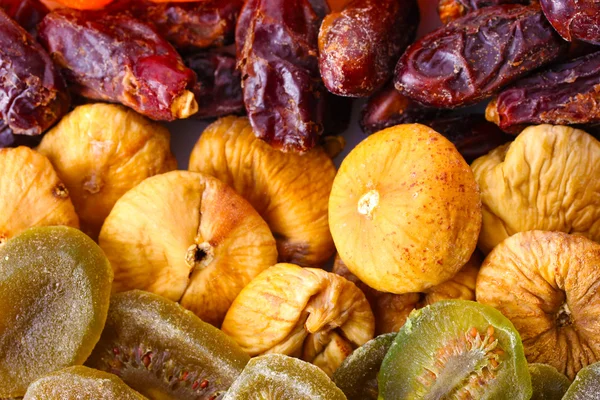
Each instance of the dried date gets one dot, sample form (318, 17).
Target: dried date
(574, 19)
(120, 59)
(473, 57)
(28, 13)
(449, 10)
(566, 94)
(359, 46)
(277, 53)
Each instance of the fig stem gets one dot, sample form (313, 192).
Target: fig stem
(368, 202)
(199, 256)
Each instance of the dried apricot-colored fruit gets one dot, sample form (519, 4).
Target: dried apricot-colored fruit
(188, 237)
(303, 312)
(288, 190)
(547, 179)
(404, 210)
(85, 4)
(31, 194)
(100, 151)
(546, 283)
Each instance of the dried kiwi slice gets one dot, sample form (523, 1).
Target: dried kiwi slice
(164, 351)
(586, 385)
(55, 287)
(81, 383)
(547, 382)
(357, 376)
(279, 377)
(455, 349)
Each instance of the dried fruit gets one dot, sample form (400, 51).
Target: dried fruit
(79, 383)
(278, 377)
(455, 349)
(32, 194)
(28, 13)
(545, 283)
(574, 19)
(565, 94)
(547, 382)
(357, 376)
(547, 179)
(473, 57)
(84, 4)
(125, 61)
(359, 46)
(303, 312)
(164, 351)
(290, 191)
(585, 385)
(54, 290)
(188, 237)
(404, 210)
(283, 91)
(449, 10)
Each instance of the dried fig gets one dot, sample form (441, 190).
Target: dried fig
(100, 151)
(288, 190)
(31, 193)
(404, 210)
(188, 237)
(547, 179)
(303, 312)
(546, 283)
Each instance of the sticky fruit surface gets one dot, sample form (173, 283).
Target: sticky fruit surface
(586, 385)
(54, 289)
(547, 382)
(455, 349)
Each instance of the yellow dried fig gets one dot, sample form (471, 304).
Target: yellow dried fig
(404, 210)
(302, 312)
(100, 151)
(188, 237)
(547, 179)
(31, 194)
(547, 284)
(290, 191)
(391, 310)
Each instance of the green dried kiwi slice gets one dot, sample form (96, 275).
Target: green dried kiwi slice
(164, 351)
(357, 376)
(547, 382)
(279, 377)
(80, 383)
(586, 385)
(55, 285)
(455, 349)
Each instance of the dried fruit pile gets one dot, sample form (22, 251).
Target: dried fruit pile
(455, 254)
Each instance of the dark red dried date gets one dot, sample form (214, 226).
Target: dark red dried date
(359, 46)
(472, 58)
(574, 19)
(277, 53)
(566, 94)
(119, 59)
(28, 13)
(218, 90)
(449, 10)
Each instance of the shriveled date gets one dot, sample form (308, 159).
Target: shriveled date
(473, 57)
(120, 59)
(28, 13)
(449, 10)
(574, 19)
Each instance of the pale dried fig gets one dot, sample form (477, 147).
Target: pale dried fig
(188, 237)
(547, 284)
(31, 193)
(302, 312)
(547, 179)
(290, 191)
(100, 151)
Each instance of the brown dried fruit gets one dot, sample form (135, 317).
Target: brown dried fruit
(101, 151)
(303, 312)
(290, 191)
(546, 283)
(188, 237)
(31, 193)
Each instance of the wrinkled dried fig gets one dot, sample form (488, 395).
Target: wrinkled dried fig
(188, 237)
(546, 283)
(288, 190)
(31, 193)
(547, 179)
(302, 312)
(100, 151)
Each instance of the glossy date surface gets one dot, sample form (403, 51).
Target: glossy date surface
(574, 19)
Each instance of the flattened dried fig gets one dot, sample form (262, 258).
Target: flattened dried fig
(303, 312)
(547, 179)
(100, 151)
(188, 237)
(288, 190)
(547, 283)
